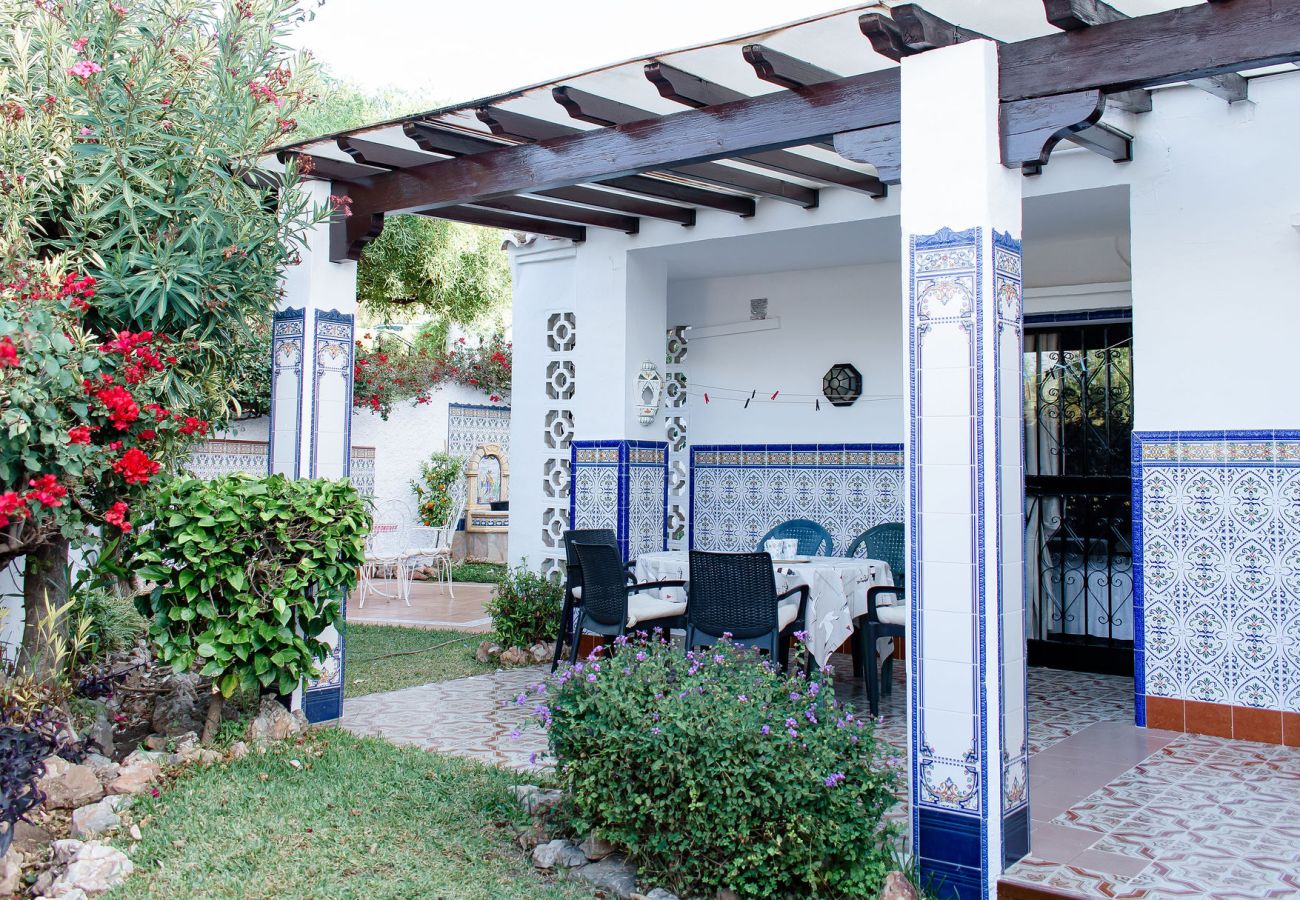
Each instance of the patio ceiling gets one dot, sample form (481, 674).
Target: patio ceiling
(779, 115)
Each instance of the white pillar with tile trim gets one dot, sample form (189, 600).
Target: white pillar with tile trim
(961, 214)
(311, 399)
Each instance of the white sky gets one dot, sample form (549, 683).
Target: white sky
(464, 49)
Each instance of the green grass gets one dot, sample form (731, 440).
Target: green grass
(483, 572)
(451, 656)
(361, 819)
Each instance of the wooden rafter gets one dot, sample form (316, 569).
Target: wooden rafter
(1161, 48)
(491, 218)
(776, 67)
(908, 29)
(507, 122)
(1076, 15)
(588, 107)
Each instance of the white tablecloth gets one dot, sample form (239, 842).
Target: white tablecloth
(837, 590)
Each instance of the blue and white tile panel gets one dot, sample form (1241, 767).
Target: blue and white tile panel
(739, 492)
(969, 731)
(676, 432)
(470, 426)
(288, 330)
(1216, 521)
(217, 457)
(622, 485)
(331, 433)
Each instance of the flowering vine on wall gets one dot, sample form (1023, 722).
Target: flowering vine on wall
(388, 372)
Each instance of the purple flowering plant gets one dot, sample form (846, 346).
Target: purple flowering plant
(717, 771)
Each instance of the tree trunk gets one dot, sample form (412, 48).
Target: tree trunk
(45, 593)
(213, 722)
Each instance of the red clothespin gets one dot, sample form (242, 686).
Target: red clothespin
(706, 396)
(774, 393)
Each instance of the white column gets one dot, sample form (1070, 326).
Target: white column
(961, 231)
(311, 400)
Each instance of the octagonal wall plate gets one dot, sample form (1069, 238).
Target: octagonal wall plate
(842, 384)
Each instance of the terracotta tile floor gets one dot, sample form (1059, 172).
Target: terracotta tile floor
(431, 607)
(1118, 811)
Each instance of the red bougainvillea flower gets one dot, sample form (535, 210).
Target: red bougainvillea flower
(135, 466)
(192, 425)
(79, 435)
(8, 353)
(121, 406)
(159, 414)
(46, 491)
(12, 506)
(117, 515)
(148, 434)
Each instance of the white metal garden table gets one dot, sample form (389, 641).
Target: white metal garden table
(837, 589)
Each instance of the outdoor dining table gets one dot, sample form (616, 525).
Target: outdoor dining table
(837, 589)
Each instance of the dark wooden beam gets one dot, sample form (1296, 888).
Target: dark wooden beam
(491, 218)
(1182, 44)
(1135, 101)
(1075, 15)
(776, 67)
(324, 167)
(1032, 128)
(880, 147)
(908, 29)
(562, 212)
(450, 142)
(588, 107)
(386, 156)
(506, 122)
(1105, 140)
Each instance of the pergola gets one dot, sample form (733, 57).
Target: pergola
(902, 97)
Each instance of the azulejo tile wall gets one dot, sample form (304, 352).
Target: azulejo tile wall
(470, 426)
(217, 457)
(738, 492)
(1217, 554)
(622, 485)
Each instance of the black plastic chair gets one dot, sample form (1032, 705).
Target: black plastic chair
(735, 594)
(573, 581)
(814, 540)
(886, 542)
(605, 605)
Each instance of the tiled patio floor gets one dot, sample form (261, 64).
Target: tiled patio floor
(1118, 811)
(431, 607)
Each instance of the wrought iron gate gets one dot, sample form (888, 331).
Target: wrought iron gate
(1078, 500)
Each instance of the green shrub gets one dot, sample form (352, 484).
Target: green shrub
(109, 621)
(525, 608)
(248, 573)
(715, 771)
(433, 489)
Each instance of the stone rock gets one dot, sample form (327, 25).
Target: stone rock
(149, 757)
(487, 651)
(541, 652)
(30, 839)
(67, 786)
(656, 894)
(65, 849)
(595, 848)
(91, 820)
(11, 873)
(238, 750)
(515, 656)
(208, 757)
(73, 894)
(898, 887)
(612, 875)
(275, 723)
(726, 894)
(558, 854)
(134, 778)
(93, 868)
(178, 708)
(156, 742)
(535, 800)
(101, 734)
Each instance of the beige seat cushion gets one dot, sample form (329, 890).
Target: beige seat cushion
(785, 614)
(894, 615)
(577, 593)
(647, 606)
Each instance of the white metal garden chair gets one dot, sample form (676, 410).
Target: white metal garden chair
(385, 553)
(431, 545)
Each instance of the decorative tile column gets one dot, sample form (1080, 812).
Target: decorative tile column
(961, 226)
(622, 486)
(311, 402)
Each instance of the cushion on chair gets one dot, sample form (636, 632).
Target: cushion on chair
(577, 592)
(785, 614)
(893, 615)
(648, 605)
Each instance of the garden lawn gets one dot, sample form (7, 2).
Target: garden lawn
(443, 655)
(481, 572)
(361, 819)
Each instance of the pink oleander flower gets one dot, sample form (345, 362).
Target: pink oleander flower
(83, 69)
(85, 131)
(80, 44)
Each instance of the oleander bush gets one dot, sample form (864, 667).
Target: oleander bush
(525, 608)
(716, 771)
(248, 573)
